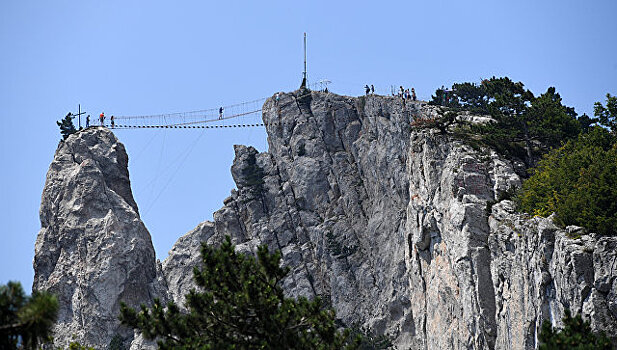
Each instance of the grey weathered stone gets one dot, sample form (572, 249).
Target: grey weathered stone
(93, 251)
(183, 257)
(538, 272)
(391, 224)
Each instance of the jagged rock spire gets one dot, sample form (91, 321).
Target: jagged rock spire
(93, 251)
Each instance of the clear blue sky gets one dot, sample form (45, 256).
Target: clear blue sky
(133, 58)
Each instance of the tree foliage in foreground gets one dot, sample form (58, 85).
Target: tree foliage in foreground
(25, 322)
(576, 334)
(239, 305)
(577, 182)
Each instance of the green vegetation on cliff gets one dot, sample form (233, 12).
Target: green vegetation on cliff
(240, 304)
(576, 175)
(66, 126)
(575, 334)
(524, 126)
(577, 182)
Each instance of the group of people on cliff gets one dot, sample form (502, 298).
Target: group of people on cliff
(369, 89)
(102, 120)
(404, 94)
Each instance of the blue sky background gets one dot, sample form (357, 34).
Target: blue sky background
(135, 58)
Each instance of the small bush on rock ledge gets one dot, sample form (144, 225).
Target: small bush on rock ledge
(575, 334)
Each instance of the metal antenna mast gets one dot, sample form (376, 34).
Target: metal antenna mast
(304, 82)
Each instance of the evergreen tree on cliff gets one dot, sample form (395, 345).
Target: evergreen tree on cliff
(66, 126)
(524, 126)
(25, 322)
(576, 334)
(607, 116)
(239, 305)
(577, 182)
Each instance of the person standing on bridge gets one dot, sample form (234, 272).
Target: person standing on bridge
(88, 121)
(102, 118)
(220, 113)
(112, 122)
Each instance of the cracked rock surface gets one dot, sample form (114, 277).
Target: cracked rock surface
(93, 250)
(387, 222)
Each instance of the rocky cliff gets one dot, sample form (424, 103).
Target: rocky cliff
(386, 221)
(93, 251)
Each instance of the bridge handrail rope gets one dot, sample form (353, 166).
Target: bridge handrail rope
(203, 116)
(217, 119)
(180, 114)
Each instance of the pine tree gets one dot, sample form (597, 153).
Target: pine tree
(524, 126)
(239, 305)
(577, 182)
(550, 122)
(607, 116)
(66, 126)
(575, 334)
(471, 97)
(25, 320)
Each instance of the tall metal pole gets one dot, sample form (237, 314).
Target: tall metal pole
(304, 75)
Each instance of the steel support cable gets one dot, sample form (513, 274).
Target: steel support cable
(158, 173)
(155, 135)
(190, 150)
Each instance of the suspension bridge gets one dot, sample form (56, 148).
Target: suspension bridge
(213, 118)
(200, 119)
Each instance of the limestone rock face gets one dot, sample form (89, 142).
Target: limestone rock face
(448, 258)
(538, 272)
(397, 227)
(390, 223)
(93, 251)
(183, 257)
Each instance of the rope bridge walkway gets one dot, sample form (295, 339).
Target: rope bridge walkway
(201, 119)
(194, 119)
(175, 126)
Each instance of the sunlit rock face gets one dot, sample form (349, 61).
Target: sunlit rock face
(93, 251)
(386, 221)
